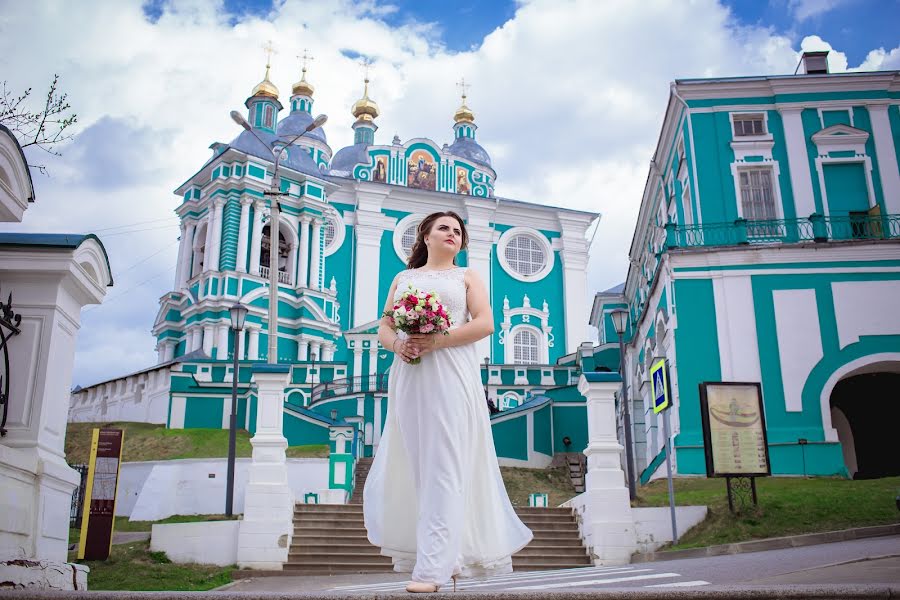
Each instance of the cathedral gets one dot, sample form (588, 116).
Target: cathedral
(347, 221)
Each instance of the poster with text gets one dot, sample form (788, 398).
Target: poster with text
(734, 429)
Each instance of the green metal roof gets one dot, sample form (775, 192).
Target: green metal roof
(52, 240)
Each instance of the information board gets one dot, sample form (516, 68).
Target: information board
(100, 495)
(734, 429)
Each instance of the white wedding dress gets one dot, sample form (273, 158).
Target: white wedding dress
(434, 500)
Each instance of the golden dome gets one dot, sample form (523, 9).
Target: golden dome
(265, 87)
(464, 114)
(303, 87)
(365, 109)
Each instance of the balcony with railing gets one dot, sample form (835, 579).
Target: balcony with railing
(349, 386)
(283, 277)
(816, 228)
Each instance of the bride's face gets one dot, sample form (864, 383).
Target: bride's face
(445, 237)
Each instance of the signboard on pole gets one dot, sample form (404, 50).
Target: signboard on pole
(100, 495)
(734, 429)
(659, 379)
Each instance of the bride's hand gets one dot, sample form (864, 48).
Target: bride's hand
(404, 350)
(424, 342)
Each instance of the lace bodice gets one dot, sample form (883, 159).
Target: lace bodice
(449, 285)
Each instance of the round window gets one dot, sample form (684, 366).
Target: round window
(525, 255)
(409, 238)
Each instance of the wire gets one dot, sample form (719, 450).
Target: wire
(143, 260)
(108, 235)
(131, 289)
(134, 224)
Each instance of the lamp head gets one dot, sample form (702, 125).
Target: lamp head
(620, 320)
(317, 122)
(238, 316)
(239, 119)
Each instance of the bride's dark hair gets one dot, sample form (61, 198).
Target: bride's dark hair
(419, 255)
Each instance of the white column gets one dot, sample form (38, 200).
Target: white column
(243, 336)
(365, 281)
(208, 339)
(188, 258)
(798, 162)
(222, 343)
(575, 292)
(179, 263)
(266, 528)
(887, 157)
(253, 343)
(607, 521)
(160, 353)
(256, 238)
(357, 362)
(243, 233)
(303, 273)
(207, 250)
(315, 348)
(328, 352)
(315, 268)
(303, 350)
(479, 258)
(217, 234)
(170, 351)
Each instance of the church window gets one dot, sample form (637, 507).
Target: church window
(746, 125)
(269, 119)
(409, 238)
(525, 348)
(328, 232)
(757, 195)
(525, 255)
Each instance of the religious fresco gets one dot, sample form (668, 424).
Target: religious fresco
(421, 171)
(462, 181)
(379, 173)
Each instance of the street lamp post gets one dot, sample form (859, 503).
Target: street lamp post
(274, 234)
(312, 380)
(620, 321)
(238, 315)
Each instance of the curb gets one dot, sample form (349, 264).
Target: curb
(779, 543)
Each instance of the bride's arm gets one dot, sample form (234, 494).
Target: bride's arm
(387, 335)
(481, 325)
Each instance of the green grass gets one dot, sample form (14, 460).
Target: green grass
(134, 567)
(522, 482)
(787, 506)
(145, 441)
(123, 524)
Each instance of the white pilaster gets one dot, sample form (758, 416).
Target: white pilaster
(368, 253)
(315, 349)
(169, 351)
(253, 343)
(479, 258)
(328, 353)
(302, 350)
(216, 248)
(256, 238)
(183, 246)
(798, 161)
(887, 157)
(267, 526)
(574, 258)
(243, 234)
(607, 521)
(207, 249)
(303, 274)
(315, 266)
(357, 362)
(222, 343)
(208, 339)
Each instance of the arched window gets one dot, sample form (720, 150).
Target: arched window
(525, 348)
(284, 251)
(269, 118)
(199, 247)
(509, 400)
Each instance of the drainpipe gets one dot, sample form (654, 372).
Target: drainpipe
(698, 218)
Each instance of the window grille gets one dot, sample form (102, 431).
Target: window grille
(525, 348)
(525, 255)
(745, 125)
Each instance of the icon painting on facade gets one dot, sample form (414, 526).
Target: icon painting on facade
(421, 171)
(379, 173)
(462, 182)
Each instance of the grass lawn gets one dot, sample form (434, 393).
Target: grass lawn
(134, 567)
(145, 441)
(522, 482)
(787, 506)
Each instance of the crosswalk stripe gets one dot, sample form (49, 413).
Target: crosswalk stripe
(679, 584)
(543, 577)
(594, 581)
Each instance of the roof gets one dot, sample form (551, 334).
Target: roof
(347, 158)
(296, 123)
(750, 78)
(52, 240)
(616, 289)
(471, 150)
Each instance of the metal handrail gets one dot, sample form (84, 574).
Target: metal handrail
(9, 326)
(348, 386)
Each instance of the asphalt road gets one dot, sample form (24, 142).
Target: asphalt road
(868, 561)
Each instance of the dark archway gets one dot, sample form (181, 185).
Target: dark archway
(865, 411)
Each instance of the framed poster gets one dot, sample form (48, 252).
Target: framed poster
(734, 429)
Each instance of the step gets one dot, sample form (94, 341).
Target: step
(554, 551)
(555, 561)
(333, 558)
(329, 532)
(363, 547)
(314, 540)
(532, 510)
(325, 508)
(346, 567)
(546, 518)
(567, 541)
(554, 527)
(329, 521)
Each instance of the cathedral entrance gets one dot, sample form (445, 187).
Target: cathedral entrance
(865, 408)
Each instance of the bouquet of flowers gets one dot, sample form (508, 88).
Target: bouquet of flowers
(419, 312)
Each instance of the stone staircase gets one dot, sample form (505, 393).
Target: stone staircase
(331, 538)
(577, 464)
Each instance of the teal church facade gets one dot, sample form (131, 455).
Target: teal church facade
(767, 249)
(347, 223)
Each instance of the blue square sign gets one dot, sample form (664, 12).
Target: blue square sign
(660, 386)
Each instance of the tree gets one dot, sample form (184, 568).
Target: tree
(45, 128)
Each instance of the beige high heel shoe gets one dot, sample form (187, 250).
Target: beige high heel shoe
(418, 587)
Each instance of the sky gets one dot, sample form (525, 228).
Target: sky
(568, 95)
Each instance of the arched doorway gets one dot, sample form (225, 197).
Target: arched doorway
(865, 408)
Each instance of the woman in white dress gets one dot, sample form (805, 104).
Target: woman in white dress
(434, 500)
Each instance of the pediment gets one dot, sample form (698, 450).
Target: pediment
(370, 328)
(840, 133)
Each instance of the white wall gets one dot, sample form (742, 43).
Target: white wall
(653, 524)
(210, 542)
(141, 398)
(150, 491)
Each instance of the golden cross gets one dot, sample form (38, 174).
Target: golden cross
(306, 58)
(463, 85)
(270, 50)
(366, 64)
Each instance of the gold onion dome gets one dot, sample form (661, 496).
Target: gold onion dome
(265, 87)
(303, 87)
(464, 114)
(365, 108)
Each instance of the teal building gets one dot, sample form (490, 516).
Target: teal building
(766, 250)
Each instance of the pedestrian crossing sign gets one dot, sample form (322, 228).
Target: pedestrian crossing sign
(659, 376)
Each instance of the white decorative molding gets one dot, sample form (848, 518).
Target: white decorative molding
(798, 162)
(339, 232)
(841, 138)
(736, 328)
(799, 341)
(865, 308)
(399, 229)
(540, 328)
(540, 238)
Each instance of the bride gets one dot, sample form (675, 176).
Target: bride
(434, 500)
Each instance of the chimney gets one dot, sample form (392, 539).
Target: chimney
(815, 63)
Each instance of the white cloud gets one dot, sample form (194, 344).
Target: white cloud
(569, 97)
(806, 9)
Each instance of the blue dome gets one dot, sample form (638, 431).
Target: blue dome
(298, 158)
(295, 123)
(471, 150)
(347, 158)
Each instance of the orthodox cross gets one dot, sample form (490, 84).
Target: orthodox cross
(463, 86)
(305, 59)
(269, 50)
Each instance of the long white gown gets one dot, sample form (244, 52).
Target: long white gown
(434, 499)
